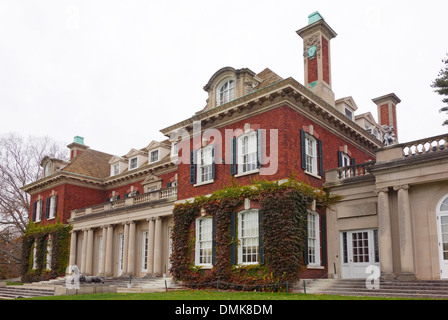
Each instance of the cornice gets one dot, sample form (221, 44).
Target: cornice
(287, 91)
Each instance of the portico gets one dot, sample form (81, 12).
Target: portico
(132, 239)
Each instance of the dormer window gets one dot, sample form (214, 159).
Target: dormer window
(133, 163)
(154, 156)
(349, 113)
(226, 92)
(47, 169)
(115, 169)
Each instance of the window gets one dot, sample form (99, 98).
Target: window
(145, 246)
(204, 241)
(313, 239)
(38, 210)
(247, 152)
(47, 168)
(133, 163)
(205, 164)
(226, 92)
(349, 113)
(48, 258)
(154, 156)
(175, 149)
(115, 169)
(311, 154)
(53, 206)
(248, 236)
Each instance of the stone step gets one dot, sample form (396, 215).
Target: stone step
(415, 289)
(13, 292)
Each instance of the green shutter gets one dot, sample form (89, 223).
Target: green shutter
(47, 208)
(192, 167)
(303, 149)
(214, 222)
(323, 231)
(233, 164)
(261, 236)
(259, 144)
(320, 158)
(233, 240)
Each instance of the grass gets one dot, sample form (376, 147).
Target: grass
(208, 295)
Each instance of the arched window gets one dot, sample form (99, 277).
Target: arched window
(442, 226)
(226, 92)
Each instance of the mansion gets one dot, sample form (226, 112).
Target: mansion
(393, 213)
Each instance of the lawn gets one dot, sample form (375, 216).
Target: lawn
(207, 295)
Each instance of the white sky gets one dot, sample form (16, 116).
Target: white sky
(116, 72)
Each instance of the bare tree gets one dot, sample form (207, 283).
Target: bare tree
(20, 160)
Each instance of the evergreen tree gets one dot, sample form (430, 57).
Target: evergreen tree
(440, 85)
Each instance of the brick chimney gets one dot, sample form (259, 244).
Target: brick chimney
(387, 111)
(77, 147)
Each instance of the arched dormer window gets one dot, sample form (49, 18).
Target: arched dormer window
(47, 169)
(225, 92)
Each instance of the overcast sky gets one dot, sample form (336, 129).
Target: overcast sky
(116, 72)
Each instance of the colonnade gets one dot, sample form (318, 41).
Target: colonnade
(108, 257)
(406, 239)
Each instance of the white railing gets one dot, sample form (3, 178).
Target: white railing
(138, 199)
(425, 146)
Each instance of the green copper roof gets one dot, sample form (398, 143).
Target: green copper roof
(79, 140)
(316, 16)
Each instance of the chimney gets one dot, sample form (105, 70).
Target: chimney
(77, 147)
(317, 56)
(387, 111)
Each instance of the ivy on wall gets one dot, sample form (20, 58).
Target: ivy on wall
(284, 210)
(38, 236)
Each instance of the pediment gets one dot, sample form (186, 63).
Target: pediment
(349, 101)
(150, 179)
(116, 159)
(133, 152)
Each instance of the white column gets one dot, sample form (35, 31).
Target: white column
(385, 233)
(103, 251)
(109, 245)
(84, 251)
(73, 239)
(131, 249)
(89, 255)
(158, 252)
(125, 248)
(405, 232)
(151, 246)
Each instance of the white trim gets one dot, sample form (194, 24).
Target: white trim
(443, 263)
(315, 225)
(252, 151)
(241, 239)
(205, 154)
(311, 158)
(197, 250)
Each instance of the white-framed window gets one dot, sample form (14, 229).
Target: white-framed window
(34, 256)
(53, 205)
(154, 156)
(247, 152)
(204, 241)
(114, 169)
(205, 164)
(225, 92)
(313, 227)
(38, 210)
(345, 160)
(349, 113)
(145, 246)
(47, 168)
(311, 154)
(49, 249)
(133, 163)
(175, 149)
(248, 236)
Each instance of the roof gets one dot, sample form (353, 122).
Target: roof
(267, 77)
(90, 163)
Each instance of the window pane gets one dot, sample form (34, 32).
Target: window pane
(249, 234)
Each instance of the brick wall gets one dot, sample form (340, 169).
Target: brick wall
(288, 123)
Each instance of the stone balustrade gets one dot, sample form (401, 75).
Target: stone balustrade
(358, 170)
(424, 146)
(126, 202)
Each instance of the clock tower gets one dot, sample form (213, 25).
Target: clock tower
(316, 52)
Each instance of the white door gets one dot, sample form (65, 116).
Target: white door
(120, 254)
(359, 250)
(442, 221)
